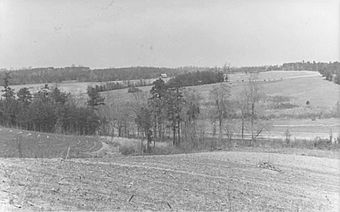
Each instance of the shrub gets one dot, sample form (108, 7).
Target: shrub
(284, 106)
(321, 143)
(127, 150)
(134, 90)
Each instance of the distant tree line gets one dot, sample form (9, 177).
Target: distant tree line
(185, 79)
(331, 70)
(311, 66)
(109, 86)
(84, 74)
(48, 110)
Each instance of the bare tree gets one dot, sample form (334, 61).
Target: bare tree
(249, 101)
(221, 105)
(230, 131)
(190, 114)
(287, 135)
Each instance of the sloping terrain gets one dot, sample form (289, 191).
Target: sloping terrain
(203, 181)
(299, 86)
(28, 144)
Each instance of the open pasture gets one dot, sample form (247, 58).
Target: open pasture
(273, 75)
(76, 88)
(299, 86)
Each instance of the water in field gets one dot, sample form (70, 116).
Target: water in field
(298, 129)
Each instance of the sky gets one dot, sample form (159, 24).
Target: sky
(167, 33)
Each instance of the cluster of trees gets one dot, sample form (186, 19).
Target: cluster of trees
(198, 78)
(48, 110)
(311, 66)
(171, 112)
(168, 112)
(166, 108)
(331, 74)
(247, 109)
(331, 70)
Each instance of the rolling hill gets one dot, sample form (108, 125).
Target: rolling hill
(299, 86)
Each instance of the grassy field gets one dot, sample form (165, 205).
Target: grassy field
(298, 128)
(228, 181)
(274, 75)
(75, 88)
(27, 144)
(300, 86)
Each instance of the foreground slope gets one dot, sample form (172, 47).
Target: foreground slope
(201, 181)
(30, 144)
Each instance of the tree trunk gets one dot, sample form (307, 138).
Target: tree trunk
(148, 141)
(179, 132)
(220, 130)
(242, 129)
(160, 130)
(174, 135)
(252, 123)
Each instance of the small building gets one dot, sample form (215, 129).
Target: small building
(164, 75)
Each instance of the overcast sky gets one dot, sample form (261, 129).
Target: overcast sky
(171, 33)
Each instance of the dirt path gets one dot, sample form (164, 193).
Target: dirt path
(201, 181)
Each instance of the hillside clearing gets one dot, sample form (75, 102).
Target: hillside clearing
(202, 181)
(299, 86)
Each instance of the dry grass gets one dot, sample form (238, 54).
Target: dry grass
(27, 144)
(299, 86)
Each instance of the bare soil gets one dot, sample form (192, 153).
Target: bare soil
(230, 181)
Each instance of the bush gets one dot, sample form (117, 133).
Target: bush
(321, 143)
(134, 90)
(127, 150)
(286, 105)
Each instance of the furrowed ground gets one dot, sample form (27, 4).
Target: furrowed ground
(242, 179)
(200, 181)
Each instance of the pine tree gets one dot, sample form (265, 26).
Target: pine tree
(94, 98)
(157, 103)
